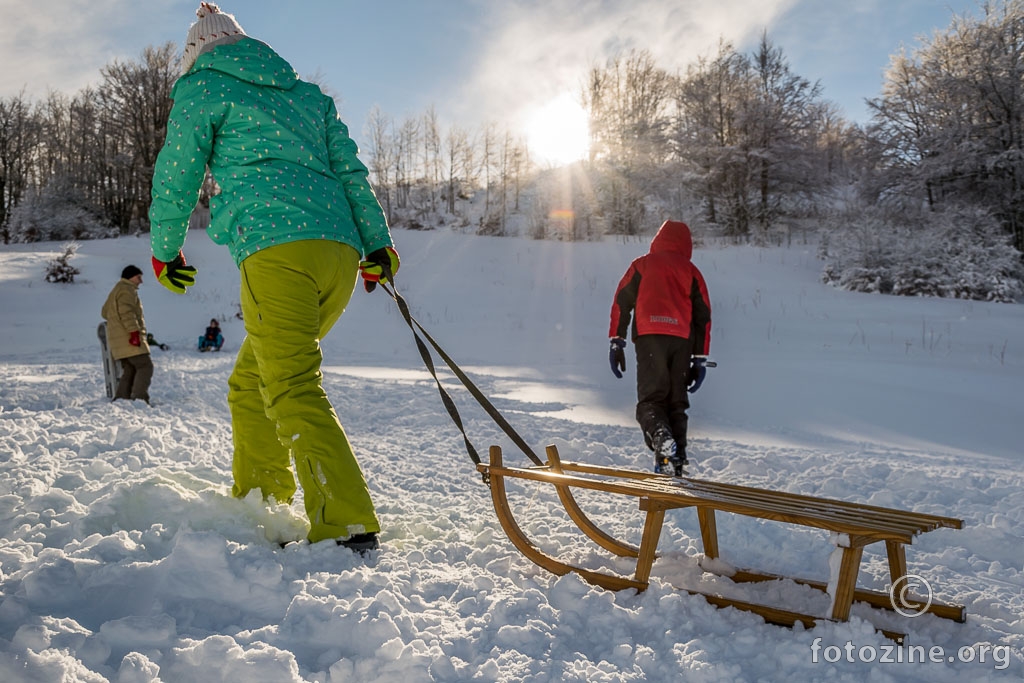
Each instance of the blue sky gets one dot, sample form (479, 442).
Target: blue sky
(475, 61)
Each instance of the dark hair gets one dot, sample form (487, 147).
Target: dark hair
(129, 272)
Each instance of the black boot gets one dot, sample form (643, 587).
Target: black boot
(664, 447)
(361, 543)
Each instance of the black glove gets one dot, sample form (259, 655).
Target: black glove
(697, 372)
(617, 356)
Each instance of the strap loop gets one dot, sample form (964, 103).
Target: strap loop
(449, 404)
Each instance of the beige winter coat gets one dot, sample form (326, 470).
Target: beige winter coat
(123, 313)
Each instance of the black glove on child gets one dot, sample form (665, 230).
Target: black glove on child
(698, 371)
(617, 356)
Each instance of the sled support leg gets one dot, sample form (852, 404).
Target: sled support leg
(897, 554)
(708, 532)
(849, 567)
(649, 542)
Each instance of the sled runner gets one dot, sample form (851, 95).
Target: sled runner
(853, 527)
(111, 368)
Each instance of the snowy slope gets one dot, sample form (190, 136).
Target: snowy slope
(124, 558)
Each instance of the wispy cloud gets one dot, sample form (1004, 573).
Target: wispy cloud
(540, 48)
(62, 44)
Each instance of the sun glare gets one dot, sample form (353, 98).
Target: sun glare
(558, 132)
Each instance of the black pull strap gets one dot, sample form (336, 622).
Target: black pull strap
(449, 404)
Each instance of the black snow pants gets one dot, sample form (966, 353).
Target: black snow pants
(662, 375)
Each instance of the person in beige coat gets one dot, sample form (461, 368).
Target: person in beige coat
(126, 336)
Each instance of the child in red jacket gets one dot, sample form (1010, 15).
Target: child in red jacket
(667, 298)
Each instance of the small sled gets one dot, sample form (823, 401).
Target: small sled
(204, 345)
(111, 368)
(853, 526)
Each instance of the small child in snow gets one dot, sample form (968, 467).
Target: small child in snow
(212, 339)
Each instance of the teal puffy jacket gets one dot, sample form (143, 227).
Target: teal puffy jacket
(286, 166)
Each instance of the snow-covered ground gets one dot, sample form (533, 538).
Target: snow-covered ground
(123, 556)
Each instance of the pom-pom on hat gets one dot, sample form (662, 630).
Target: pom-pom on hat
(129, 272)
(213, 28)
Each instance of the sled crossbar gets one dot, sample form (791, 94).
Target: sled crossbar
(854, 526)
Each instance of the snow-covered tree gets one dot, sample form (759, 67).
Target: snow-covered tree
(59, 268)
(628, 101)
(750, 134)
(957, 252)
(59, 211)
(949, 126)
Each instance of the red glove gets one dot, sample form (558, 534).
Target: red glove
(134, 339)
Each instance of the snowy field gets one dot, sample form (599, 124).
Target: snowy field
(124, 558)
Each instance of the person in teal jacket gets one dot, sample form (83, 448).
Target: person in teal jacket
(297, 212)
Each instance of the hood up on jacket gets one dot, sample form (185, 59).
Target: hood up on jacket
(673, 236)
(248, 60)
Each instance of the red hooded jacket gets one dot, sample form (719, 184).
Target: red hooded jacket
(666, 291)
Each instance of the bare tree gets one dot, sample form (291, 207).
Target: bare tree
(432, 156)
(519, 167)
(470, 165)
(505, 163)
(837, 142)
(406, 144)
(381, 157)
(627, 101)
(488, 149)
(19, 135)
(456, 148)
(135, 100)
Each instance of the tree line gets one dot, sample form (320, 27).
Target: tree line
(737, 144)
(81, 166)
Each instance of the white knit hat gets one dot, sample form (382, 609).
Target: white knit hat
(213, 28)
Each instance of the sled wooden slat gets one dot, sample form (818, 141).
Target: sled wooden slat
(857, 526)
(854, 510)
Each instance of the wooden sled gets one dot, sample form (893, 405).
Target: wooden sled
(853, 525)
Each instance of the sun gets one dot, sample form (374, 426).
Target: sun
(558, 132)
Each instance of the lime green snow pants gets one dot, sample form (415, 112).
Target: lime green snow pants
(292, 294)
